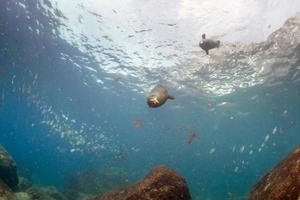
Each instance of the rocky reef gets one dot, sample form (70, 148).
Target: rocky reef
(8, 169)
(282, 182)
(5, 192)
(162, 183)
(91, 182)
(13, 187)
(44, 193)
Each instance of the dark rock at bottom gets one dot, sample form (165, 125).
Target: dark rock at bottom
(44, 193)
(8, 169)
(162, 183)
(5, 192)
(282, 182)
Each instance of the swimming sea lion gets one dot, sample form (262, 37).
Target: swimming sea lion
(207, 44)
(158, 96)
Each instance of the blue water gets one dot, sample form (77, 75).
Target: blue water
(62, 109)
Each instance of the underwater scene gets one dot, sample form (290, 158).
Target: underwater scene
(139, 99)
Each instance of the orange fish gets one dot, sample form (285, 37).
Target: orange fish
(191, 138)
(138, 123)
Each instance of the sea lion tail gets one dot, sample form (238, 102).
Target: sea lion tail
(171, 97)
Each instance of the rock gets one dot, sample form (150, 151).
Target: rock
(45, 193)
(24, 183)
(94, 182)
(54, 193)
(8, 169)
(22, 196)
(76, 195)
(37, 193)
(5, 192)
(162, 183)
(282, 182)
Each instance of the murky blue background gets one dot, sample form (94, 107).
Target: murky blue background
(74, 76)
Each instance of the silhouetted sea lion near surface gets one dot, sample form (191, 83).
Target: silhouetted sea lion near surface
(158, 96)
(207, 44)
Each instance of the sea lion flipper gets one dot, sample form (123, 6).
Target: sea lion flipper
(171, 97)
(206, 51)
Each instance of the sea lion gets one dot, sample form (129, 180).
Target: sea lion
(207, 44)
(158, 96)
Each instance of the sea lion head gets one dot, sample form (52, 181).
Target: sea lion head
(153, 101)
